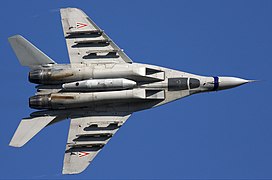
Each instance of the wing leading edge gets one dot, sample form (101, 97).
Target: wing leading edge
(87, 136)
(86, 42)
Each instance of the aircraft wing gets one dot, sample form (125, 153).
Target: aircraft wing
(87, 136)
(86, 42)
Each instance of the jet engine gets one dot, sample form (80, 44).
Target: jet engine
(58, 76)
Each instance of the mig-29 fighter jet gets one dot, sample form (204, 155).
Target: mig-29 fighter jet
(98, 90)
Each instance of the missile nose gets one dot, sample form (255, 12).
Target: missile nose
(231, 82)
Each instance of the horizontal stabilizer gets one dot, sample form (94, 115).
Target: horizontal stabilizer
(28, 128)
(27, 53)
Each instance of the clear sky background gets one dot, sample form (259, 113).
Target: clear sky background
(225, 134)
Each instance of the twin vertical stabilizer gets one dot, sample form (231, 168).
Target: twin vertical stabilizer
(28, 128)
(27, 53)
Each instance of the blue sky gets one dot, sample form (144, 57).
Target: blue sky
(224, 134)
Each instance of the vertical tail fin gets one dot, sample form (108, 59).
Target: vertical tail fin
(27, 53)
(28, 128)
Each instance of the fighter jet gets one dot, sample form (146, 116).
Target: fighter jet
(98, 90)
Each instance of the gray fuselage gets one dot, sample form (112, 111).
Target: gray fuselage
(152, 86)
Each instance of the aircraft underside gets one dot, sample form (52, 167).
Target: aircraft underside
(98, 91)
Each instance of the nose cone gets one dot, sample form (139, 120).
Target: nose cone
(231, 82)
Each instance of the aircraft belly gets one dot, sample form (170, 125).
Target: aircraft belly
(99, 90)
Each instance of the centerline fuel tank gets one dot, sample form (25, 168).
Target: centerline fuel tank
(99, 84)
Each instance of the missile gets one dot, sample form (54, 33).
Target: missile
(100, 84)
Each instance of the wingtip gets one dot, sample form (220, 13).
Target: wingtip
(69, 172)
(16, 36)
(16, 145)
